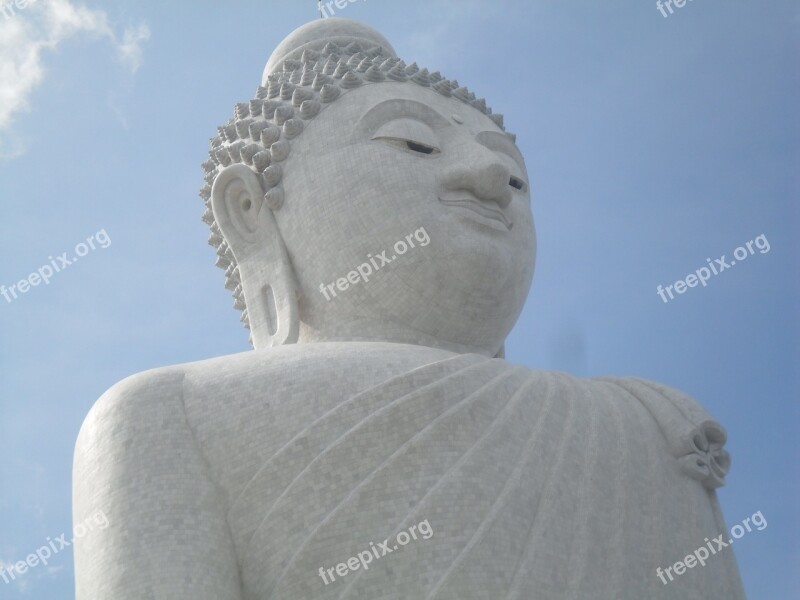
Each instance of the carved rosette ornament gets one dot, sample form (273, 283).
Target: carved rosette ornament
(705, 459)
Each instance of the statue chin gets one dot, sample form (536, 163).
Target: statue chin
(374, 223)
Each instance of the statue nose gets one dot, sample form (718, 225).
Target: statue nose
(493, 184)
(480, 172)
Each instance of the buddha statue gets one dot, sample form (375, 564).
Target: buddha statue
(374, 223)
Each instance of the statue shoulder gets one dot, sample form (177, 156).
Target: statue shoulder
(130, 407)
(155, 396)
(645, 389)
(695, 438)
(150, 395)
(183, 394)
(137, 460)
(136, 399)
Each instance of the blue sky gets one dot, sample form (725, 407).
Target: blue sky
(652, 144)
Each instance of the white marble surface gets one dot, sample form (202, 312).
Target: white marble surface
(238, 477)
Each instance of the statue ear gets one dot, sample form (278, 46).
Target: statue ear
(268, 282)
(236, 199)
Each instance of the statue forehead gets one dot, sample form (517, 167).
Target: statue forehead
(365, 108)
(395, 100)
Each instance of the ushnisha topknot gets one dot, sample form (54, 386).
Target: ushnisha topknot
(313, 67)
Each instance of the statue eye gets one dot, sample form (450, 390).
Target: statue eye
(516, 183)
(421, 148)
(409, 135)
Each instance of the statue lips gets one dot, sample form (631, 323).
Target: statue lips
(489, 213)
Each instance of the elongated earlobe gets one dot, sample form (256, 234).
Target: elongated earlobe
(268, 293)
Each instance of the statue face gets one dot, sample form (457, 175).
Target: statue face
(394, 161)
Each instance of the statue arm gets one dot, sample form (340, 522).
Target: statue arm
(137, 462)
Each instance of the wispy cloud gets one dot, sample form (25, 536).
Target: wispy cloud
(130, 50)
(26, 36)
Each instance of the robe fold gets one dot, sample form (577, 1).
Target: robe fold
(535, 484)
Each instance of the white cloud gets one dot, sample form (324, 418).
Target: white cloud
(26, 35)
(130, 50)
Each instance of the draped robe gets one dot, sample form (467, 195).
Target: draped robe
(536, 485)
(240, 477)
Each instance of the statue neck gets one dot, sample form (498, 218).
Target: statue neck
(385, 331)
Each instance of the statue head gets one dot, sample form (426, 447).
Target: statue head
(358, 198)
